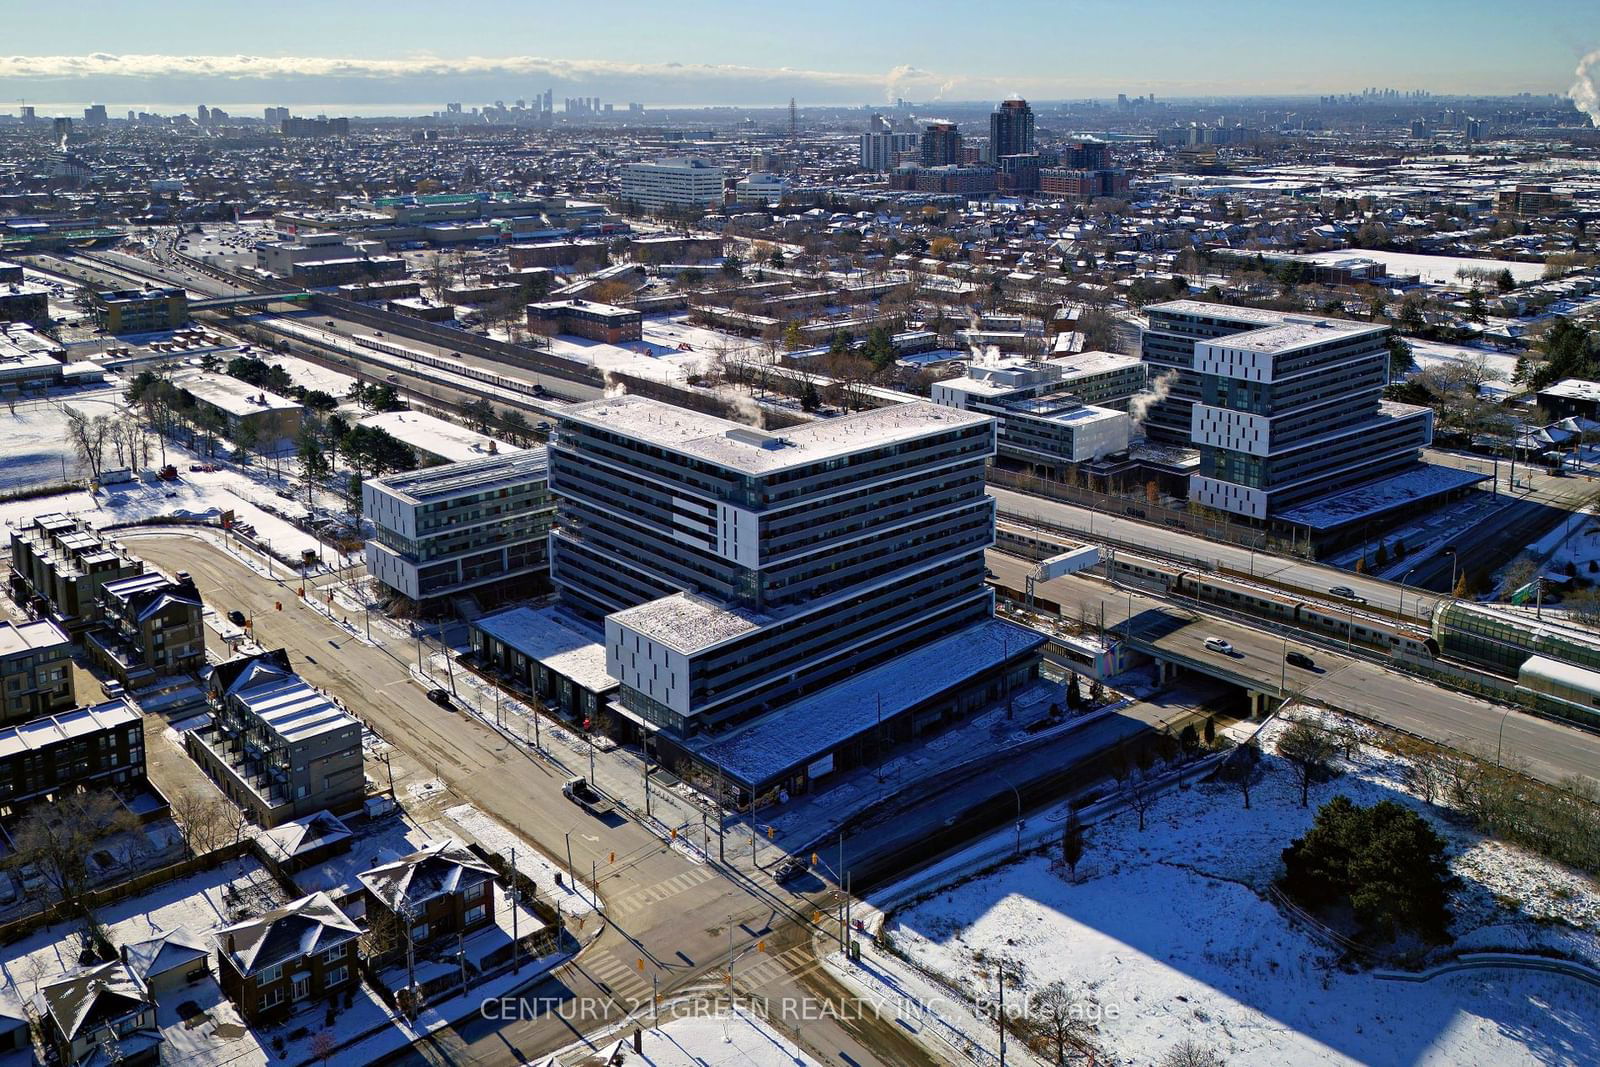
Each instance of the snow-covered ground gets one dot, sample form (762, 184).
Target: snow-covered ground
(1427, 354)
(1168, 930)
(690, 1037)
(1436, 270)
(33, 437)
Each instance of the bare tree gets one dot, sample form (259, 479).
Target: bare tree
(1074, 840)
(1187, 1053)
(88, 437)
(1141, 793)
(1064, 1018)
(1242, 768)
(1309, 751)
(57, 838)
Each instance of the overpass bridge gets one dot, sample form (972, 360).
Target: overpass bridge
(213, 303)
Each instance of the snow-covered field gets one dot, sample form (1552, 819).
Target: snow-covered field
(693, 1039)
(1170, 933)
(1437, 270)
(33, 437)
(1426, 354)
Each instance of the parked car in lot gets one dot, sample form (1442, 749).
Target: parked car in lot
(1217, 644)
(441, 698)
(1300, 659)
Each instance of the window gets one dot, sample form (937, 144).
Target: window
(271, 998)
(475, 914)
(419, 932)
(335, 976)
(269, 975)
(335, 953)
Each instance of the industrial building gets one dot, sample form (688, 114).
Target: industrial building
(586, 318)
(140, 310)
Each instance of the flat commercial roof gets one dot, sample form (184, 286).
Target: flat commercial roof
(232, 395)
(752, 451)
(1218, 311)
(1582, 679)
(1092, 362)
(435, 436)
(688, 623)
(514, 467)
(1293, 333)
(1574, 388)
(1064, 410)
(797, 733)
(552, 637)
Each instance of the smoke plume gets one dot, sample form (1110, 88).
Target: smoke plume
(614, 386)
(1140, 404)
(1585, 92)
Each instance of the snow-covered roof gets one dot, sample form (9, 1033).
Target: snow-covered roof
(165, 952)
(435, 436)
(688, 623)
(752, 451)
(801, 731)
(561, 642)
(305, 834)
(307, 925)
(438, 868)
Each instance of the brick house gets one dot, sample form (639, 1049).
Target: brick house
(272, 965)
(100, 1012)
(443, 890)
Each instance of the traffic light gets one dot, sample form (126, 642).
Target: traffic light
(761, 946)
(771, 833)
(613, 858)
(815, 860)
(641, 963)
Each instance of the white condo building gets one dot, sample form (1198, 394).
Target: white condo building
(677, 183)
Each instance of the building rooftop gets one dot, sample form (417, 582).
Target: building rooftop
(1226, 312)
(1064, 409)
(588, 307)
(293, 708)
(29, 636)
(751, 451)
(231, 395)
(1294, 332)
(437, 437)
(688, 623)
(511, 468)
(1574, 389)
(1092, 362)
(559, 641)
(54, 729)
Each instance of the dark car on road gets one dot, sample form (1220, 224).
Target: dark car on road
(440, 697)
(789, 870)
(1300, 659)
(236, 617)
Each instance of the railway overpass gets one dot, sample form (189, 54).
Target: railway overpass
(297, 296)
(1174, 637)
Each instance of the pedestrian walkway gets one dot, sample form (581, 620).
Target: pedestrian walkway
(635, 899)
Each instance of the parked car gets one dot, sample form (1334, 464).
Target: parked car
(236, 617)
(1300, 659)
(1217, 644)
(441, 698)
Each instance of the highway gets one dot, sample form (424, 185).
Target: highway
(1548, 750)
(666, 908)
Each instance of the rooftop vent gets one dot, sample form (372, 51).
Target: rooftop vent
(755, 438)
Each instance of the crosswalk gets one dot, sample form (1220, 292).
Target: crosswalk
(632, 988)
(643, 897)
(621, 978)
(755, 976)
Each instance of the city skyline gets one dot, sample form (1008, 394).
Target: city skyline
(371, 57)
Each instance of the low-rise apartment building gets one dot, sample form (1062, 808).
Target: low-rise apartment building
(98, 745)
(448, 529)
(35, 670)
(59, 565)
(586, 318)
(246, 411)
(276, 745)
(153, 627)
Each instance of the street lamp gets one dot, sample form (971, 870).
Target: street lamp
(1408, 574)
(1018, 795)
(1501, 738)
(1450, 550)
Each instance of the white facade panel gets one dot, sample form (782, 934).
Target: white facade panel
(659, 672)
(1237, 431)
(1228, 362)
(1228, 496)
(738, 535)
(392, 571)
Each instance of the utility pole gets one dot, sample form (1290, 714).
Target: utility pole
(647, 784)
(570, 878)
(516, 940)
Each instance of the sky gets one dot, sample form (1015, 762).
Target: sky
(415, 55)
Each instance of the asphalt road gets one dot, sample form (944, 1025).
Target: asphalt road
(664, 907)
(1550, 751)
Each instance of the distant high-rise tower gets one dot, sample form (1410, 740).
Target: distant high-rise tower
(1010, 130)
(794, 121)
(941, 144)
